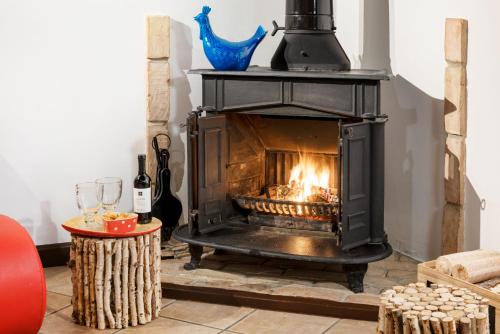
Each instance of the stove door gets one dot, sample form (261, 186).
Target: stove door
(355, 184)
(212, 160)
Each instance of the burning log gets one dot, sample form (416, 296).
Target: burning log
(294, 192)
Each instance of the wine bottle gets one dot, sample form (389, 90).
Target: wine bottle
(142, 193)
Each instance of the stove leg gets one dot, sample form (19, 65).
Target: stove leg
(196, 252)
(355, 275)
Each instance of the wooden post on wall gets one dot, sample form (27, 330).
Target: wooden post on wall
(157, 89)
(455, 120)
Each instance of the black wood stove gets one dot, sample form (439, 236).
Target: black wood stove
(289, 164)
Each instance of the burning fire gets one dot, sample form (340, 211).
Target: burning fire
(310, 177)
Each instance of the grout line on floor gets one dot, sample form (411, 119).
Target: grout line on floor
(47, 314)
(190, 322)
(241, 319)
(55, 311)
(331, 326)
(168, 304)
(59, 293)
(51, 314)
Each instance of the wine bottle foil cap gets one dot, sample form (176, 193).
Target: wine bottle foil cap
(142, 156)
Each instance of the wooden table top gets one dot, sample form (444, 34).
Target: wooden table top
(76, 225)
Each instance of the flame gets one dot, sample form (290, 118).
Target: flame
(308, 177)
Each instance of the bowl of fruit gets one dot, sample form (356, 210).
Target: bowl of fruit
(119, 223)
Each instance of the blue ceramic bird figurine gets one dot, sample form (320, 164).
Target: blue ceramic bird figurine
(225, 55)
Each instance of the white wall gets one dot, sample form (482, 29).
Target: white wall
(482, 157)
(417, 51)
(72, 101)
(408, 38)
(72, 97)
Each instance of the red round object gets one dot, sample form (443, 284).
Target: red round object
(120, 226)
(22, 281)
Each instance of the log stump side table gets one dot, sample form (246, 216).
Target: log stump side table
(116, 277)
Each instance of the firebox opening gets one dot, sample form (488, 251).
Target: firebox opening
(283, 172)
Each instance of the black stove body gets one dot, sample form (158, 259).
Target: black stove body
(246, 138)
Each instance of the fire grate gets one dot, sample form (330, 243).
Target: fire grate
(284, 207)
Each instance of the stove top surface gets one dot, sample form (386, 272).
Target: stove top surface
(258, 71)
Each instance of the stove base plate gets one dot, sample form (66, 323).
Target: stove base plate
(282, 243)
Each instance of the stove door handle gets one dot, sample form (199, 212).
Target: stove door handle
(276, 28)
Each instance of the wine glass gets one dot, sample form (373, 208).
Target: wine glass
(87, 201)
(109, 192)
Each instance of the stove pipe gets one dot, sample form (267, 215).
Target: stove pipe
(309, 43)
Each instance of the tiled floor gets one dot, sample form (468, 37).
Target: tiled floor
(192, 317)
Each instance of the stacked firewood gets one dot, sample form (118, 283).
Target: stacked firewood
(116, 282)
(473, 267)
(438, 309)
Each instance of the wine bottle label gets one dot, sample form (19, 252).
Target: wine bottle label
(142, 200)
